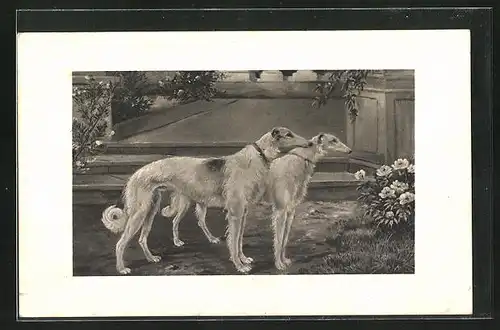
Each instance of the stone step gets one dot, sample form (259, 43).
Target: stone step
(128, 163)
(203, 148)
(105, 189)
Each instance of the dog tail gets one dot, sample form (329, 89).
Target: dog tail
(114, 219)
(171, 210)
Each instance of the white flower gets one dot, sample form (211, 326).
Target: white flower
(360, 175)
(411, 169)
(100, 83)
(399, 186)
(79, 163)
(98, 142)
(389, 214)
(111, 133)
(406, 198)
(108, 84)
(384, 170)
(87, 77)
(400, 164)
(387, 192)
(161, 83)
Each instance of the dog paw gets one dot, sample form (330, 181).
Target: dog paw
(287, 261)
(246, 260)
(214, 240)
(124, 271)
(244, 268)
(154, 259)
(280, 266)
(178, 242)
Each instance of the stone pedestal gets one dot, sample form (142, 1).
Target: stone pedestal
(237, 76)
(386, 118)
(271, 76)
(304, 76)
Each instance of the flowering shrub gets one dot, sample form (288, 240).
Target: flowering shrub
(350, 82)
(188, 86)
(390, 197)
(93, 103)
(130, 95)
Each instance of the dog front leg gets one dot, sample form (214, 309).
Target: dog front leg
(278, 223)
(286, 234)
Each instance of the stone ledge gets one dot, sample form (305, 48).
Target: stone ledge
(127, 164)
(107, 189)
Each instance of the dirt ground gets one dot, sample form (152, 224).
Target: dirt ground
(93, 244)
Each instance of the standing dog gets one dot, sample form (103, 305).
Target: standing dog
(288, 179)
(229, 182)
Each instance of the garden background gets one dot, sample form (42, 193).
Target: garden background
(137, 117)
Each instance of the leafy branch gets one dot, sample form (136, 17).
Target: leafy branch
(130, 96)
(188, 86)
(93, 103)
(350, 83)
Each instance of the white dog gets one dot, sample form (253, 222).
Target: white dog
(288, 179)
(230, 182)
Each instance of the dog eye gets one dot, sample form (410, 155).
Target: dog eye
(335, 141)
(289, 135)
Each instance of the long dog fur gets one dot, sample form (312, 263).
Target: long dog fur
(288, 180)
(285, 188)
(229, 182)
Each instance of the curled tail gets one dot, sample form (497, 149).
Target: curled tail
(114, 219)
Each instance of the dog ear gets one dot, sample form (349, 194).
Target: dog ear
(275, 133)
(320, 137)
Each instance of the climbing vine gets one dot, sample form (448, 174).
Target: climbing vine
(350, 83)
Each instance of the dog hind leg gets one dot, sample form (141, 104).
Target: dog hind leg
(244, 259)
(146, 229)
(183, 205)
(135, 221)
(201, 213)
(234, 218)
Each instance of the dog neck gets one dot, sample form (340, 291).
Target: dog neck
(267, 148)
(313, 154)
(307, 160)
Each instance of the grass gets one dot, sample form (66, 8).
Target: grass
(363, 248)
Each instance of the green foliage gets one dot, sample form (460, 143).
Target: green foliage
(188, 86)
(130, 99)
(390, 198)
(359, 247)
(350, 83)
(93, 103)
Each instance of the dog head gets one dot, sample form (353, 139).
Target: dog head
(284, 139)
(329, 142)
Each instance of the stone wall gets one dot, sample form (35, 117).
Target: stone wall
(386, 121)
